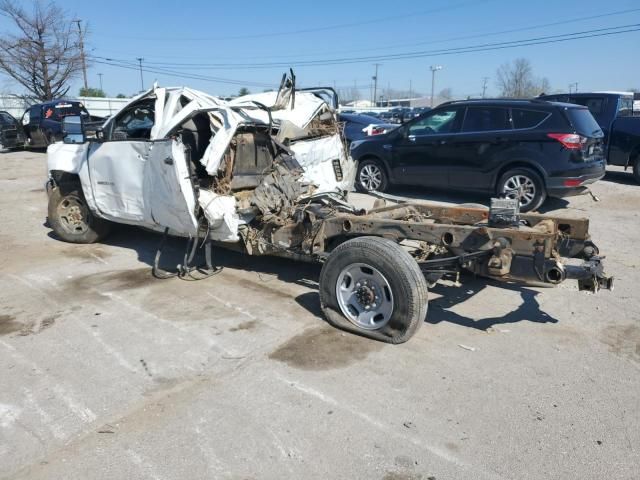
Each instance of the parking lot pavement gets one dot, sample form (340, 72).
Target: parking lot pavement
(110, 373)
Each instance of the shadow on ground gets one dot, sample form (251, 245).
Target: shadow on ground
(621, 177)
(440, 309)
(439, 195)
(146, 243)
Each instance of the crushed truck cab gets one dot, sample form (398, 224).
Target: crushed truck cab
(268, 174)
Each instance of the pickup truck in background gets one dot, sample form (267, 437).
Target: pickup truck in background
(617, 119)
(42, 123)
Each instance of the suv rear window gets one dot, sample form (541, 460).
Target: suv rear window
(583, 121)
(527, 118)
(60, 110)
(483, 119)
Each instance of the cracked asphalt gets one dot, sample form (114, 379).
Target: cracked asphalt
(109, 373)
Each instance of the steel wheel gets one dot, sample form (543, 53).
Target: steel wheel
(364, 296)
(72, 213)
(520, 187)
(370, 177)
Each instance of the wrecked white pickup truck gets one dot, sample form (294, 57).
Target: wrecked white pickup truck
(267, 174)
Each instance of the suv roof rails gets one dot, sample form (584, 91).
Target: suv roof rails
(505, 100)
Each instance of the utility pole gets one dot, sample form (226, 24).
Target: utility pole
(81, 45)
(100, 76)
(484, 85)
(140, 59)
(434, 69)
(375, 83)
(410, 90)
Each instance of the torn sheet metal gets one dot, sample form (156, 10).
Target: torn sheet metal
(317, 157)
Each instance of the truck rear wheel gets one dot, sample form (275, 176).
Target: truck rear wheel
(636, 168)
(372, 287)
(70, 217)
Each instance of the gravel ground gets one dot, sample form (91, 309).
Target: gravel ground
(108, 373)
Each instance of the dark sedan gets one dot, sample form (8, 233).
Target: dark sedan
(525, 149)
(11, 134)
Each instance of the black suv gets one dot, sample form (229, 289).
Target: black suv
(526, 149)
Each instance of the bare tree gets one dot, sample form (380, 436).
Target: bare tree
(516, 80)
(44, 53)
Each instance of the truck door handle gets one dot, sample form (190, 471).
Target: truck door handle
(168, 161)
(411, 138)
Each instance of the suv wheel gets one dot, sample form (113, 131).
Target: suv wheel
(371, 176)
(525, 185)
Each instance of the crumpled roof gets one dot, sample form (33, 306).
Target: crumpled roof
(172, 112)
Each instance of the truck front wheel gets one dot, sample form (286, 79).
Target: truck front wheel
(372, 287)
(70, 217)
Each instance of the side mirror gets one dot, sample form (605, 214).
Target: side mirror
(73, 129)
(100, 134)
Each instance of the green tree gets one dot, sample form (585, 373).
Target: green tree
(243, 91)
(121, 95)
(91, 92)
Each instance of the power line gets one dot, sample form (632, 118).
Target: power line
(427, 42)
(340, 26)
(426, 53)
(178, 74)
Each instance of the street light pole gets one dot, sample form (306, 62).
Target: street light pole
(81, 46)
(375, 84)
(484, 86)
(434, 69)
(141, 78)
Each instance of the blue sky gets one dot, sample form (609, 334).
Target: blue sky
(169, 33)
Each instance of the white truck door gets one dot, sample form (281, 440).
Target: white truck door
(168, 189)
(117, 172)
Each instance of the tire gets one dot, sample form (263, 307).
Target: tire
(534, 192)
(636, 169)
(361, 270)
(70, 217)
(371, 176)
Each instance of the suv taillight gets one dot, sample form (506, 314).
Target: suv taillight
(571, 141)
